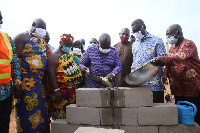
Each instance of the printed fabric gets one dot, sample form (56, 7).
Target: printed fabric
(31, 111)
(148, 48)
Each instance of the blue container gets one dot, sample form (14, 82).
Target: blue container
(186, 113)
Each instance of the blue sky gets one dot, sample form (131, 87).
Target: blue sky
(89, 18)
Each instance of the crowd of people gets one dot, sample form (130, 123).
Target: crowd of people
(41, 81)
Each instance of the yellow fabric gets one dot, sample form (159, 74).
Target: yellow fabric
(73, 71)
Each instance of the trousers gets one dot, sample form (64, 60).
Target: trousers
(5, 111)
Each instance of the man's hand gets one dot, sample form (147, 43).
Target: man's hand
(110, 77)
(85, 69)
(164, 80)
(17, 91)
(159, 61)
(58, 96)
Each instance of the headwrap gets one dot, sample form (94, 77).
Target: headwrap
(67, 37)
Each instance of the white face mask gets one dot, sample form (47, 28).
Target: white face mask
(172, 39)
(138, 35)
(39, 33)
(77, 51)
(104, 51)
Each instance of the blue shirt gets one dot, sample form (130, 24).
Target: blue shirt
(100, 64)
(6, 89)
(149, 47)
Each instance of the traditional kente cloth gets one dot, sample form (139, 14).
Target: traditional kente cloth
(31, 110)
(69, 77)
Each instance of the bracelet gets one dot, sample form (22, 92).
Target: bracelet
(57, 89)
(113, 74)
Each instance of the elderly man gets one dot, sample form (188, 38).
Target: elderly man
(64, 76)
(32, 51)
(8, 61)
(182, 68)
(124, 48)
(101, 60)
(145, 48)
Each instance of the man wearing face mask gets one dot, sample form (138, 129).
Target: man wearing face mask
(93, 41)
(10, 79)
(124, 48)
(145, 48)
(64, 76)
(32, 51)
(47, 38)
(77, 49)
(101, 60)
(182, 68)
(83, 45)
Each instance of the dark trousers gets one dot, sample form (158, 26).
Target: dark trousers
(158, 96)
(195, 101)
(5, 111)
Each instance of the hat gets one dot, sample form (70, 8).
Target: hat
(67, 37)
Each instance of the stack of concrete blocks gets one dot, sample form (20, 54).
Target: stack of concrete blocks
(129, 109)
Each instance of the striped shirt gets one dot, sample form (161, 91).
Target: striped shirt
(100, 64)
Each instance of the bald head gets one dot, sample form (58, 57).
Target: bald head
(176, 31)
(104, 40)
(39, 23)
(125, 30)
(175, 27)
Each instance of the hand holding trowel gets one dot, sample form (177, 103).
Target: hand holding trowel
(104, 80)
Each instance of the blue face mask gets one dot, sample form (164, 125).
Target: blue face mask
(83, 46)
(0, 26)
(66, 49)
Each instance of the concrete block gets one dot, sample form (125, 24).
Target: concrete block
(61, 126)
(133, 96)
(92, 97)
(82, 115)
(140, 129)
(159, 114)
(122, 116)
(180, 129)
(97, 130)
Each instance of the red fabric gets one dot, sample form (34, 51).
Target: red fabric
(183, 69)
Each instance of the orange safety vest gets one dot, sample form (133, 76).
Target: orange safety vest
(6, 56)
